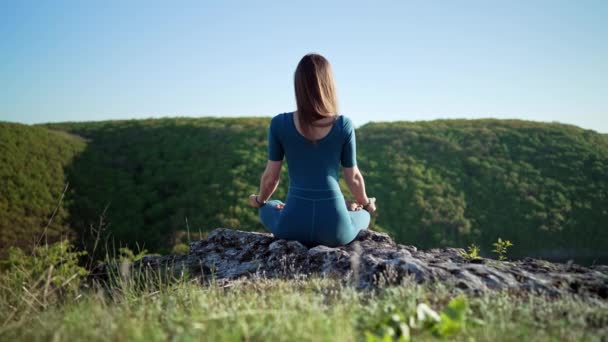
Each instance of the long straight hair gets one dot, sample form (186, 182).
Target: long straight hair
(315, 92)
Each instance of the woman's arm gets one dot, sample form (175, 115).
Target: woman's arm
(348, 159)
(356, 184)
(270, 179)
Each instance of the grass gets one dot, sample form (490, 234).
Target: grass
(307, 309)
(43, 297)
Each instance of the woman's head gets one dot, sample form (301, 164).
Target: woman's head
(315, 90)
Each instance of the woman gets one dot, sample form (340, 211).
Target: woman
(315, 139)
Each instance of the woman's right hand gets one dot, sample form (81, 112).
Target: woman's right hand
(371, 208)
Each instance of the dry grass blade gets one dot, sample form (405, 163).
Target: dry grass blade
(48, 282)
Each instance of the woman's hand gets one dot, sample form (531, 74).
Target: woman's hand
(255, 204)
(371, 208)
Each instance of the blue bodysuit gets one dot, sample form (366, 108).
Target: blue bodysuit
(315, 212)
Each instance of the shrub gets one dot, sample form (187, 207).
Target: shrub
(31, 282)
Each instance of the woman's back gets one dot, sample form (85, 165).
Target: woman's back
(312, 166)
(315, 211)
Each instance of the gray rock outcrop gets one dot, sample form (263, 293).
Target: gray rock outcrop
(374, 259)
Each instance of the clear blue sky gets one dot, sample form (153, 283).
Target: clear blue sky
(393, 60)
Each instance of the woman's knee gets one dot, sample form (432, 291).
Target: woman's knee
(270, 204)
(273, 203)
(360, 218)
(269, 214)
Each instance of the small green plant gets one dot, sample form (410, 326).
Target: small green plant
(391, 327)
(452, 318)
(395, 326)
(127, 254)
(180, 249)
(472, 252)
(500, 248)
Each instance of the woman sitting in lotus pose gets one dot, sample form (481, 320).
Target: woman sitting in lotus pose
(315, 140)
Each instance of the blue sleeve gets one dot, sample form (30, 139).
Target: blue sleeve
(349, 148)
(275, 148)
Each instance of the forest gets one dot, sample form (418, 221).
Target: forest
(158, 183)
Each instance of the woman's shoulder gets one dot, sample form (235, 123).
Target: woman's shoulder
(280, 117)
(347, 123)
(278, 122)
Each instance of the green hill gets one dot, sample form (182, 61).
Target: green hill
(451, 182)
(445, 182)
(153, 175)
(32, 181)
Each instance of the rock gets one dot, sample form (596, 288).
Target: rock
(373, 259)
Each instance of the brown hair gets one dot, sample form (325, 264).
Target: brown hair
(315, 91)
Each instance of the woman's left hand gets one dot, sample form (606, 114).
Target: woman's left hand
(255, 204)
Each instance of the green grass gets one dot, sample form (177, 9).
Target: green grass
(303, 309)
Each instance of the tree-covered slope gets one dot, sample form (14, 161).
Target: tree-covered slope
(155, 179)
(32, 179)
(446, 182)
(452, 182)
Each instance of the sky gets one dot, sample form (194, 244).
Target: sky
(392, 60)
